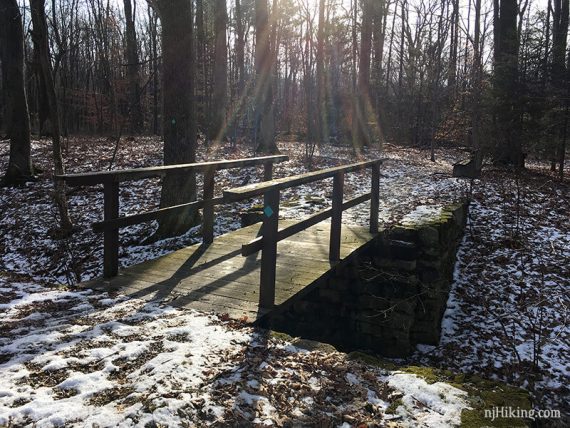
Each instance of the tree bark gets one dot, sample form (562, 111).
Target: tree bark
(453, 47)
(508, 148)
(41, 96)
(179, 125)
(218, 125)
(240, 101)
(559, 74)
(18, 118)
(40, 35)
(322, 123)
(379, 24)
(202, 115)
(363, 103)
(264, 105)
(136, 120)
(240, 47)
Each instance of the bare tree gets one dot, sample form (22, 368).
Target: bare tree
(559, 72)
(218, 125)
(264, 105)
(508, 144)
(363, 105)
(40, 34)
(323, 135)
(179, 125)
(18, 120)
(133, 69)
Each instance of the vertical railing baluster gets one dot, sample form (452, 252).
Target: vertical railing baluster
(375, 197)
(110, 234)
(269, 252)
(336, 217)
(208, 211)
(267, 171)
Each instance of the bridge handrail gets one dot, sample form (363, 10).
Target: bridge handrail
(120, 175)
(112, 222)
(267, 243)
(257, 189)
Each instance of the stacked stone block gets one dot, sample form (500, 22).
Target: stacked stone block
(389, 299)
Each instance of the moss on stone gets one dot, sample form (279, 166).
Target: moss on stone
(482, 395)
(281, 336)
(429, 374)
(393, 407)
(446, 214)
(309, 345)
(372, 360)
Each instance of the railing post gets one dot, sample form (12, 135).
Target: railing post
(208, 211)
(267, 171)
(336, 217)
(374, 198)
(269, 252)
(110, 235)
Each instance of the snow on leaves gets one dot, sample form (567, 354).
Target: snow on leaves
(95, 358)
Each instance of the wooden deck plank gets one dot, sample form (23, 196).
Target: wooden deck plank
(217, 278)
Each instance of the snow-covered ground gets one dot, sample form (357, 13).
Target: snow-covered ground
(128, 362)
(89, 359)
(508, 314)
(29, 249)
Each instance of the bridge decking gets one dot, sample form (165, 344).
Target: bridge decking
(218, 278)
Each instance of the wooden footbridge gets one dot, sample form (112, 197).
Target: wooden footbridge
(246, 273)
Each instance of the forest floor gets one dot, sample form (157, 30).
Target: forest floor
(125, 361)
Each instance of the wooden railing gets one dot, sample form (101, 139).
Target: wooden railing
(110, 180)
(271, 233)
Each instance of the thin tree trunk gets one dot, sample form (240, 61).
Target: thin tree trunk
(201, 78)
(356, 143)
(152, 19)
(364, 105)
(40, 34)
(453, 46)
(322, 124)
(264, 105)
(240, 67)
(380, 17)
(136, 119)
(218, 123)
(477, 78)
(18, 118)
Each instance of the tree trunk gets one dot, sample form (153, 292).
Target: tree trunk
(18, 117)
(264, 106)
(322, 123)
(240, 47)
(201, 78)
(238, 108)
(363, 105)
(559, 74)
(217, 128)
(42, 102)
(40, 35)
(152, 26)
(477, 79)
(380, 17)
(508, 144)
(179, 126)
(136, 120)
(356, 143)
(453, 46)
